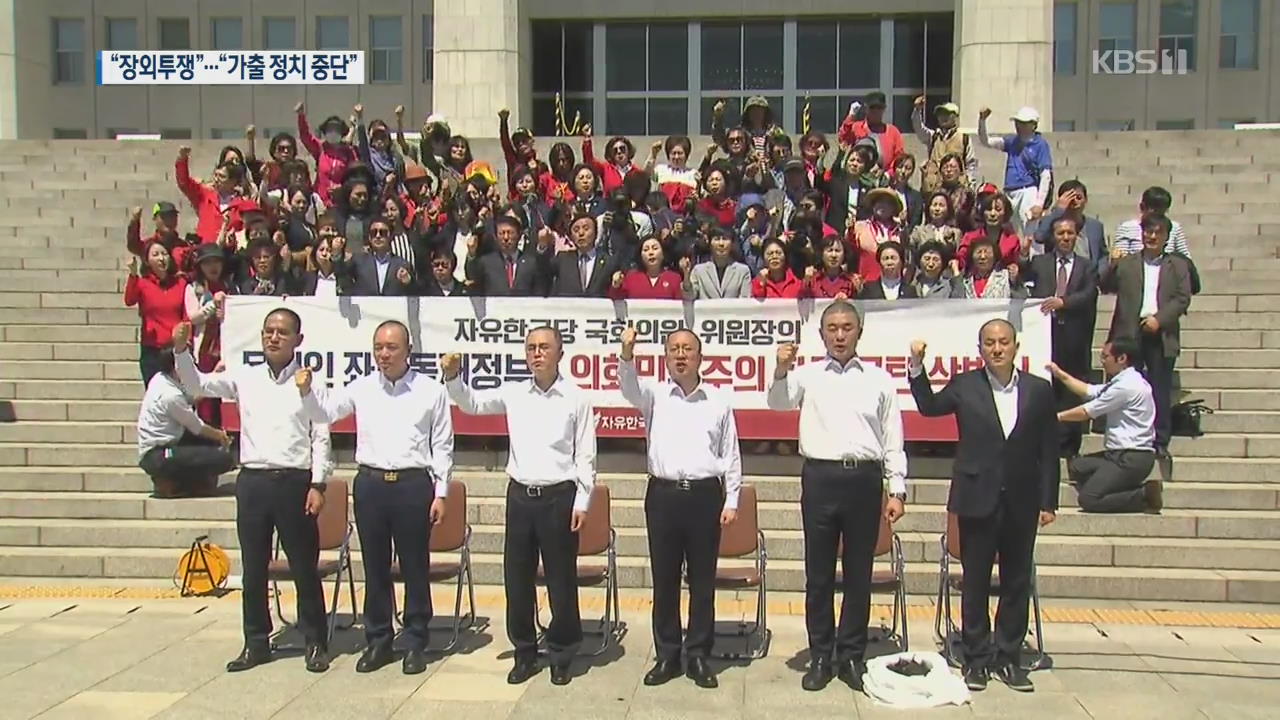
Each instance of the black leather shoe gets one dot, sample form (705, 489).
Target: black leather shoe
(975, 678)
(250, 657)
(700, 673)
(662, 672)
(317, 657)
(523, 670)
(375, 656)
(560, 674)
(415, 661)
(819, 675)
(850, 673)
(1016, 677)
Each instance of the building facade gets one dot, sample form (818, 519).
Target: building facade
(1078, 61)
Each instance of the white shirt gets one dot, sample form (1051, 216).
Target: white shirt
(1150, 288)
(275, 431)
(460, 242)
(326, 286)
(890, 286)
(382, 264)
(1130, 409)
(846, 412)
(553, 433)
(677, 425)
(400, 425)
(1006, 397)
(166, 412)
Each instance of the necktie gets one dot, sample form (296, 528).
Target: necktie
(1062, 278)
(511, 272)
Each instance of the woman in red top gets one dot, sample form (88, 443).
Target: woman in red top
(160, 294)
(617, 163)
(210, 201)
(652, 280)
(717, 199)
(882, 227)
(776, 279)
(833, 280)
(995, 211)
(556, 185)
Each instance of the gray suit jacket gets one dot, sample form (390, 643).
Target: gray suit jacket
(708, 286)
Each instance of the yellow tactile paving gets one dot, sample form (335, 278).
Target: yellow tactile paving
(593, 602)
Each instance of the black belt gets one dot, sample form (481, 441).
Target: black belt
(393, 475)
(275, 471)
(686, 484)
(846, 463)
(536, 491)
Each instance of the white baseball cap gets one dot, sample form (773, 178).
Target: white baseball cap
(1026, 114)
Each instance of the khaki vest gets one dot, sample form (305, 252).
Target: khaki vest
(939, 147)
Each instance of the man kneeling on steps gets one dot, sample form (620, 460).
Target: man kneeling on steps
(1115, 480)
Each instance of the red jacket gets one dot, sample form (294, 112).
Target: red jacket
(611, 175)
(891, 144)
(790, 287)
(821, 286)
(331, 160)
(1010, 247)
(206, 202)
(725, 211)
(554, 190)
(636, 286)
(136, 244)
(161, 306)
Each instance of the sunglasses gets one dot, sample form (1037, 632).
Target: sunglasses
(284, 148)
(441, 264)
(379, 232)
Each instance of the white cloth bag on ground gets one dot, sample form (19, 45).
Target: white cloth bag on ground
(940, 686)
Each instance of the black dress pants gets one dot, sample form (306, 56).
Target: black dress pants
(1073, 358)
(275, 500)
(191, 458)
(1158, 370)
(1111, 481)
(683, 522)
(538, 526)
(1010, 532)
(839, 502)
(396, 511)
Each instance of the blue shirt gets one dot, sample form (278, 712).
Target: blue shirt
(1025, 161)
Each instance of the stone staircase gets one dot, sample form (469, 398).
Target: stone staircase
(73, 504)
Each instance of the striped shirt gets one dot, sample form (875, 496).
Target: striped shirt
(1128, 237)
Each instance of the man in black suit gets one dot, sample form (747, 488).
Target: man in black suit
(587, 270)
(508, 272)
(1069, 286)
(441, 282)
(1003, 483)
(891, 285)
(376, 272)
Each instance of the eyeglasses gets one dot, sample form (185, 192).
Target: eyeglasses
(441, 264)
(379, 232)
(284, 148)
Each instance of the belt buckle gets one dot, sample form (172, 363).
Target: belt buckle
(849, 463)
(533, 490)
(684, 484)
(390, 476)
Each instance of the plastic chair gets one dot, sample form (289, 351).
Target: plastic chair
(335, 534)
(738, 540)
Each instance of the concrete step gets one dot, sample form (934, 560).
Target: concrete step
(32, 332)
(118, 410)
(70, 369)
(95, 351)
(78, 389)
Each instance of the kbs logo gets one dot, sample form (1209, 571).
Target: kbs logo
(1140, 62)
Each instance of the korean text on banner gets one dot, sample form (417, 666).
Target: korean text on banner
(739, 339)
(230, 67)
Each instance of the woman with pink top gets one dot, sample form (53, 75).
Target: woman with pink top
(332, 151)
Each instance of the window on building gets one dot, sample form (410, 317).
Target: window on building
(1117, 26)
(114, 133)
(333, 32)
(646, 78)
(1113, 125)
(122, 34)
(1178, 31)
(175, 34)
(1175, 124)
(1064, 125)
(1231, 124)
(1064, 38)
(740, 60)
(226, 133)
(226, 33)
(279, 33)
(175, 133)
(68, 51)
(428, 47)
(562, 63)
(1238, 43)
(70, 134)
(386, 48)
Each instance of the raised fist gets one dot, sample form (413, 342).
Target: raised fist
(617, 279)
(250, 131)
(984, 113)
(810, 272)
(337, 247)
(917, 350)
(628, 343)
(787, 357)
(586, 130)
(473, 245)
(503, 114)
(299, 108)
(686, 264)
(181, 336)
(399, 111)
(1117, 252)
(656, 147)
(919, 101)
(358, 109)
(135, 214)
(278, 238)
(403, 276)
(184, 152)
(718, 108)
(302, 378)
(450, 365)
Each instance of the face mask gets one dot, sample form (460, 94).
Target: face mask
(333, 138)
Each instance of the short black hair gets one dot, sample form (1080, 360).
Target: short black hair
(507, 220)
(297, 321)
(1156, 199)
(1152, 221)
(1073, 184)
(875, 98)
(1069, 217)
(892, 245)
(549, 328)
(165, 360)
(1126, 346)
(387, 323)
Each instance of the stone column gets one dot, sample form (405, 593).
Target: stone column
(8, 72)
(1004, 60)
(478, 56)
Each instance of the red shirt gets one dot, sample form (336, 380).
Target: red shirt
(636, 285)
(789, 287)
(207, 204)
(611, 176)
(161, 306)
(725, 211)
(1010, 247)
(822, 286)
(890, 140)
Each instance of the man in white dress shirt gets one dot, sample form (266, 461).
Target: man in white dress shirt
(695, 475)
(1113, 480)
(404, 446)
(176, 448)
(851, 440)
(552, 466)
(284, 462)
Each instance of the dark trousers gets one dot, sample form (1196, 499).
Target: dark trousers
(192, 458)
(835, 503)
(1111, 481)
(1158, 370)
(538, 526)
(1010, 533)
(388, 512)
(1073, 358)
(148, 363)
(268, 500)
(683, 525)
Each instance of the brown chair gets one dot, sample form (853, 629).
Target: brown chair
(738, 540)
(945, 630)
(893, 580)
(452, 535)
(335, 534)
(596, 537)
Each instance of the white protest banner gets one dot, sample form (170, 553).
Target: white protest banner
(739, 337)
